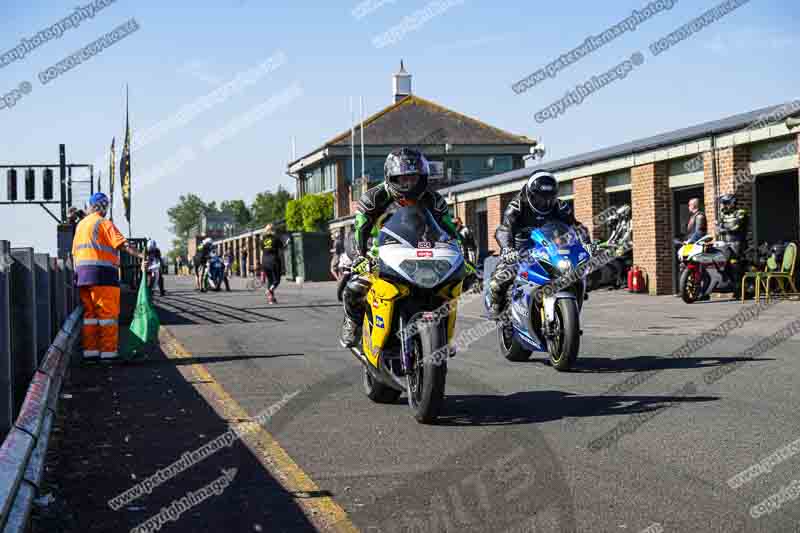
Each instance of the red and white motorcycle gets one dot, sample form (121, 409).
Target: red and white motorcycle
(708, 266)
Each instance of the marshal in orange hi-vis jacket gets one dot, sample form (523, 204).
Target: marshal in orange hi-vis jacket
(95, 251)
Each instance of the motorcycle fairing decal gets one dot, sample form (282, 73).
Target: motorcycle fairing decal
(381, 297)
(452, 292)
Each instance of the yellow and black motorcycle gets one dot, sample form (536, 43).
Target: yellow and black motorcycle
(410, 311)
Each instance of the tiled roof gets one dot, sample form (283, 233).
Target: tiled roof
(417, 121)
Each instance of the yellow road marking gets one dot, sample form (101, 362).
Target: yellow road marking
(320, 509)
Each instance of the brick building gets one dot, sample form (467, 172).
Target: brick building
(213, 225)
(461, 149)
(756, 158)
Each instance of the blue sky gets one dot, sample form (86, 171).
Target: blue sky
(467, 58)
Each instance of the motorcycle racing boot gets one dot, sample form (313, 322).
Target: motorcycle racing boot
(350, 333)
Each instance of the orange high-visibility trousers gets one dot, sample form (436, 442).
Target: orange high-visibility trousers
(100, 321)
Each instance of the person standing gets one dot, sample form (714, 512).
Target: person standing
(732, 230)
(271, 261)
(153, 258)
(336, 253)
(200, 259)
(95, 251)
(696, 228)
(467, 240)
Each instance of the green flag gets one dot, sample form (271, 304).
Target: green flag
(144, 327)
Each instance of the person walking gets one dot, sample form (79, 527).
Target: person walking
(271, 261)
(95, 252)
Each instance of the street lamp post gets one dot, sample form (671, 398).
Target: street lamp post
(448, 175)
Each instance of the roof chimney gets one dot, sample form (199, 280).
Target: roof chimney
(401, 83)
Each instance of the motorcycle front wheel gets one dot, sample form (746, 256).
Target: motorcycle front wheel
(510, 348)
(376, 391)
(426, 380)
(688, 288)
(563, 347)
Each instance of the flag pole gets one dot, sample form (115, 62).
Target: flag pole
(363, 159)
(352, 144)
(127, 137)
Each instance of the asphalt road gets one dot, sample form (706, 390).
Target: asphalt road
(520, 446)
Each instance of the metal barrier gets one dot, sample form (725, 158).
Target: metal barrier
(22, 454)
(131, 266)
(36, 296)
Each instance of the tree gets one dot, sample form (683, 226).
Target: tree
(239, 210)
(270, 206)
(179, 249)
(187, 213)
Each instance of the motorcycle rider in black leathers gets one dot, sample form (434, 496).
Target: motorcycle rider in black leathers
(406, 174)
(732, 229)
(535, 205)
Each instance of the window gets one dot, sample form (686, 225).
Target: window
(616, 181)
(773, 150)
(489, 163)
(566, 188)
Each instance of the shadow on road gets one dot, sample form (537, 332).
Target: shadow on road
(542, 406)
(644, 363)
(121, 423)
(185, 311)
(204, 359)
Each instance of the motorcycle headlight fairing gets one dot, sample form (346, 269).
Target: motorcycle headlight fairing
(426, 273)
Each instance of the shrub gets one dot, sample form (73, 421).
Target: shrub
(294, 215)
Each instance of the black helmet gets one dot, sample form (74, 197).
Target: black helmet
(542, 192)
(406, 173)
(727, 201)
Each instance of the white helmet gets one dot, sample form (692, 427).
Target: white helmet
(207, 241)
(151, 245)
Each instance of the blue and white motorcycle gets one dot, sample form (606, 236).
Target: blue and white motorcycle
(216, 274)
(545, 300)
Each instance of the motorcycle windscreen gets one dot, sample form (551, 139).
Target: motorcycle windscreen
(557, 238)
(410, 226)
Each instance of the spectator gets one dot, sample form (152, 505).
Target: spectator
(75, 215)
(336, 253)
(696, 228)
(228, 260)
(467, 240)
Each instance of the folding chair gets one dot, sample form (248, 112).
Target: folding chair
(785, 274)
